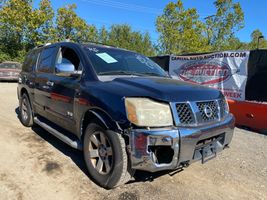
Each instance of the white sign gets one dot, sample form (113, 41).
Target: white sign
(106, 57)
(226, 71)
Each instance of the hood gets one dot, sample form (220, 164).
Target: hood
(160, 88)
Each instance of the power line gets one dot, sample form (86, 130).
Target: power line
(135, 28)
(108, 23)
(125, 6)
(131, 7)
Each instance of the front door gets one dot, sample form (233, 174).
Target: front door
(65, 88)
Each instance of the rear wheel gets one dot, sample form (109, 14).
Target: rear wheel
(25, 111)
(105, 156)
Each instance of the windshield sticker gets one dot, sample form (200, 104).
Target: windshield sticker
(145, 61)
(106, 57)
(93, 49)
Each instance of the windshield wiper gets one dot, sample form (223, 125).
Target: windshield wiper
(120, 72)
(153, 74)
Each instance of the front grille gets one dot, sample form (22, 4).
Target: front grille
(185, 113)
(209, 111)
(194, 113)
(223, 105)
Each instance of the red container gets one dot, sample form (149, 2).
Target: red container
(250, 114)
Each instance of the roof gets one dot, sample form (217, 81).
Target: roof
(94, 44)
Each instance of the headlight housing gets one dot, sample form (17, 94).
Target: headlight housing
(148, 113)
(225, 107)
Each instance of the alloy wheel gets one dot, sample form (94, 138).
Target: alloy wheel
(24, 109)
(100, 152)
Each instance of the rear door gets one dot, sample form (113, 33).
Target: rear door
(28, 73)
(43, 87)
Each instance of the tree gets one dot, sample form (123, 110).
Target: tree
(221, 27)
(40, 25)
(15, 16)
(103, 35)
(254, 40)
(234, 43)
(70, 26)
(124, 37)
(148, 47)
(23, 27)
(180, 30)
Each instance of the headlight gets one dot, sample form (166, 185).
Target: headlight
(146, 112)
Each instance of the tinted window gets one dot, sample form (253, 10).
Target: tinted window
(46, 58)
(111, 61)
(30, 61)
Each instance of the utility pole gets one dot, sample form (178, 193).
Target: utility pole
(260, 37)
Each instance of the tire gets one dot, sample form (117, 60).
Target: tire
(25, 111)
(105, 157)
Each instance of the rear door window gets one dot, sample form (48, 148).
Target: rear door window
(30, 62)
(46, 60)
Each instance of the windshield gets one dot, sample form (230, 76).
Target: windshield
(110, 61)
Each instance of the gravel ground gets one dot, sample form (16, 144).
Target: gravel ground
(35, 165)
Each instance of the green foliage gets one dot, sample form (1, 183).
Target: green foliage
(254, 40)
(180, 30)
(14, 26)
(222, 26)
(103, 35)
(42, 29)
(124, 37)
(22, 27)
(69, 26)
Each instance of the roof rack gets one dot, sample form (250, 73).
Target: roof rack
(91, 42)
(42, 45)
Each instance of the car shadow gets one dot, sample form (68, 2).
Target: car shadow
(77, 156)
(17, 111)
(143, 176)
(8, 81)
(252, 130)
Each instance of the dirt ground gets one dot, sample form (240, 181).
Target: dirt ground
(35, 165)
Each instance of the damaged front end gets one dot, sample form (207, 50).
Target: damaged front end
(171, 148)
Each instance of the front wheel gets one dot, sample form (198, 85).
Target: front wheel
(105, 156)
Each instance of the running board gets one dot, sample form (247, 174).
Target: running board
(76, 144)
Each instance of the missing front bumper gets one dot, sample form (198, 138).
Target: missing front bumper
(169, 149)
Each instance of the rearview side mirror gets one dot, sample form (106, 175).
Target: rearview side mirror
(65, 69)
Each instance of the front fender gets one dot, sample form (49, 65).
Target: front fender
(102, 117)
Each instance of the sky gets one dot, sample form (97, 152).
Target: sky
(142, 14)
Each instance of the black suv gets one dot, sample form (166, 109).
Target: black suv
(121, 109)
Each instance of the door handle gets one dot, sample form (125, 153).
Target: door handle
(77, 92)
(50, 83)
